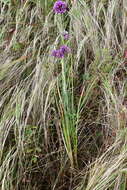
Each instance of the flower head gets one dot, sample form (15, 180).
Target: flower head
(60, 7)
(65, 35)
(57, 53)
(65, 49)
(60, 53)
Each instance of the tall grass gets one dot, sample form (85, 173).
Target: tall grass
(63, 121)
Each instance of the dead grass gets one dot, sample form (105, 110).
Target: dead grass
(63, 123)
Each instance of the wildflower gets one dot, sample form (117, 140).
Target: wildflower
(65, 35)
(60, 53)
(57, 53)
(60, 7)
(65, 49)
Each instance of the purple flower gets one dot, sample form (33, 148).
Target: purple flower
(65, 49)
(60, 53)
(65, 35)
(57, 53)
(60, 7)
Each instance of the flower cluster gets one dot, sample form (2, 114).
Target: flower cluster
(60, 53)
(60, 7)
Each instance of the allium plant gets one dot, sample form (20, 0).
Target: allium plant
(68, 125)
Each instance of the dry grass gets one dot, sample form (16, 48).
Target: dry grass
(63, 122)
